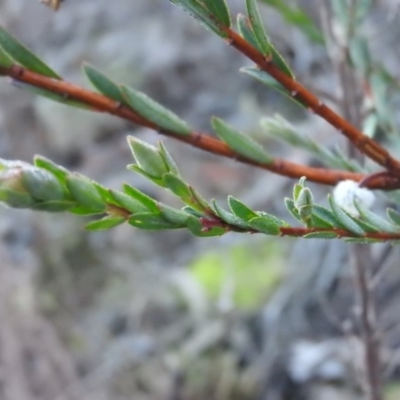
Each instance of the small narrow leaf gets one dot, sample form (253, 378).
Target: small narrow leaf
(323, 218)
(105, 223)
(267, 80)
(345, 220)
(393, 215)
(280, 62)
(128, 202)
(199, 11)
(228, 217)
(240, 143)
(155, 112)
(177, 217)
(199, 202)
(374, 220)
(54, 206)
(265, 225)
(178, 187)
(84, 191)
(246, 31)
(103, 84)
(42, 185)
(150, 221)
(136, 194)
(294, 16)
(193, 212)
(289, 203)
(169, 161)
(60, 172)
(303, 198)
(219, 10)
(257, 27)
(5, 60)
(147, 157)
(241, 210)
(23, 56)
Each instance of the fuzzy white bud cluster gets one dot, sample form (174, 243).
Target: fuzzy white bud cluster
(346, 192)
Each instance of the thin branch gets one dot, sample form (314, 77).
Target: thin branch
(369, 329)
(366, 145)
(99, 102)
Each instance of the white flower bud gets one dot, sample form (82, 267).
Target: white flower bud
(346, 192)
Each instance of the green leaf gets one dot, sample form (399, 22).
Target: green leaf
(280, 62)
(54, 206)
(148, 158)
(58, 171)
(267, 80)
(105, 223)
(193, 212)
(240, 143)
(228, 217)
(289, 204)
(155, 112)
(16, 199)
(105, 194)
(84, 191)
(265, 225)
(103, 84)
(278, 128)
(5, 60)
(365, 226)
(178, 187)
(199, 202)
(157, 181)
(42, 185)
(246, 31)
(303, 198)
(128, 202)
(177, 217)
(323, 218)
(294, 16)
(150, 221)
(374, 220)
(393, 215)
(344, 219)
(18, 52)
(169, 161)
(241, 210)
(136, 194)
(198, 10)
(219, 10)
(297, 188)
(257, 27)
(321, 235)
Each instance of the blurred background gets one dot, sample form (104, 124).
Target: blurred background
(130, 314)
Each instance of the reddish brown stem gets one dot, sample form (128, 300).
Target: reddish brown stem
(366, 145)
(99, 102)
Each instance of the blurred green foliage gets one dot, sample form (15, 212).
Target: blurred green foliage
(252, 269)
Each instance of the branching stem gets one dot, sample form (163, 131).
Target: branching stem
(99, 102)
(367, 146)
